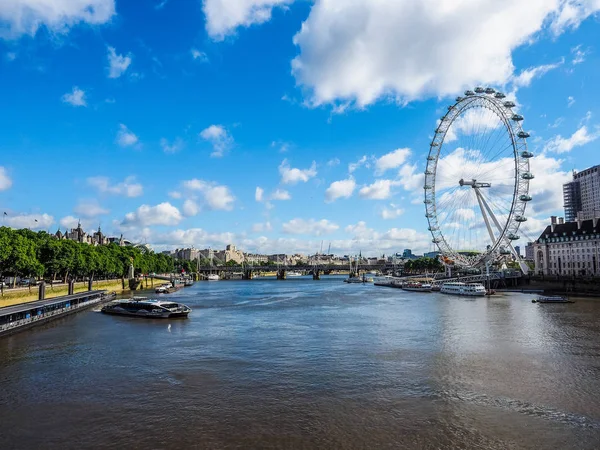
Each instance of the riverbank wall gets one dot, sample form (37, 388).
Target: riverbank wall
(567, 286)
(12, 297)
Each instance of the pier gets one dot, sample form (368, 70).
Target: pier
(25, 315)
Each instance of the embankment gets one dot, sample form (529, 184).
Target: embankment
(14, 297)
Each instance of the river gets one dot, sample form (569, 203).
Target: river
(309, 364)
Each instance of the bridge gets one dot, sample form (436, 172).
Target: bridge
(316, 270)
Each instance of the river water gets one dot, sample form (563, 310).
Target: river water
(309, 364)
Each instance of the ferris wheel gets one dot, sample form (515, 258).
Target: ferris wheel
(477, 180)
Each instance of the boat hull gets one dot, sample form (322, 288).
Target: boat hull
(416, 289)
(162, 315)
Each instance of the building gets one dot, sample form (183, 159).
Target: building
(187, 254)
(568, 248)
(432, 255)
(78, 235)
(529, 251)
(582, 195)
(518, 250)
(407, 253)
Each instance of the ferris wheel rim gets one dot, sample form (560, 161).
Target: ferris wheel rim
(512, 124)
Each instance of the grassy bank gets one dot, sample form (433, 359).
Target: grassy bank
(24, 295)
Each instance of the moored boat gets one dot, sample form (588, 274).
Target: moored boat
(464, 289)
(213, 277)
(551, 299)
(417, 287)
(144, 307)
(293, 273)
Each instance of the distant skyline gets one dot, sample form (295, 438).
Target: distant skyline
(275, 124)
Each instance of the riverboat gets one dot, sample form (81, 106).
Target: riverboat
(417, 287)
(388, 281)
(149, 308)
(465, 289)
(551, 299)
(354, 280)
(213, 277)
(188, 282)
(293, 273)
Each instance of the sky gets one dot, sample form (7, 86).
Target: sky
(276, 125)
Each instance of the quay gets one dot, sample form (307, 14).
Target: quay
(26, 315)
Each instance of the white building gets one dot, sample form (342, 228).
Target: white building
(568, 248)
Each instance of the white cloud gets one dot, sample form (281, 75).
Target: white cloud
(5, 181)
(224, 16)
(579, 55)
(90, 208)
(117, 64)
(258, 194)
(32, 221)
(72, 222)
(174, 147)
(570, 101)
(340, 189)
(217, 197)
(526, 76)
(290, 175)
(361, 231)
(261, 227)
(76, 97)
(391, 160)
(360, 51)
(220, 139)
(333, 162)
(393, 212)
(190, 208)
(280, 194)
(409, 178)
(309, 227)
(379, 190)
(20, 17)
(198, 55)
(126, 138)
(161, 214)
(582, 136)
(11, 56)
(128, 187)
(175, 194)
(361, 162)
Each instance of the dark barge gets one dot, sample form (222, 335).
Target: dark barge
(26, 315)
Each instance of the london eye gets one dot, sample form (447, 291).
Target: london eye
(477, 180)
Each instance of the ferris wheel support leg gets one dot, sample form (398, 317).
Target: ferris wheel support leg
(482, 206)
(524, 267)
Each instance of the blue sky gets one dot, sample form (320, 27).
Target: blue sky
(160, 119)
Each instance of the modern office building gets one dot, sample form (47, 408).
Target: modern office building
(582, 195)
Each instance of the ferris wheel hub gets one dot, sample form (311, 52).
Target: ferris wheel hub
(474, 183)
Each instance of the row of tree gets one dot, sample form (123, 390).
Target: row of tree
(422, 265)
(24, 253)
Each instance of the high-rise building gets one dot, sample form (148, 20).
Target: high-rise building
(582, 195)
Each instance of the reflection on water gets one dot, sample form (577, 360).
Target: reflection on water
(303, 364)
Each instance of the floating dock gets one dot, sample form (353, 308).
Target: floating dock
(26, 315)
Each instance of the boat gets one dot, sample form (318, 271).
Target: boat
(388, 281)
(551, 299)
(354, 280)
(163, 288)
(417, 287)
(465, 289)
(293, 273)
(213, 277)
(188, 282)
(149, 308)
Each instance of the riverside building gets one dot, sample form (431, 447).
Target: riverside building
(568, 248)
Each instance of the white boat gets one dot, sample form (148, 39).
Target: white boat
(293, 273)
(354, 280)
(143, 307)
(465, 289)
(163, 288)
(417, 287)
(213, 277)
